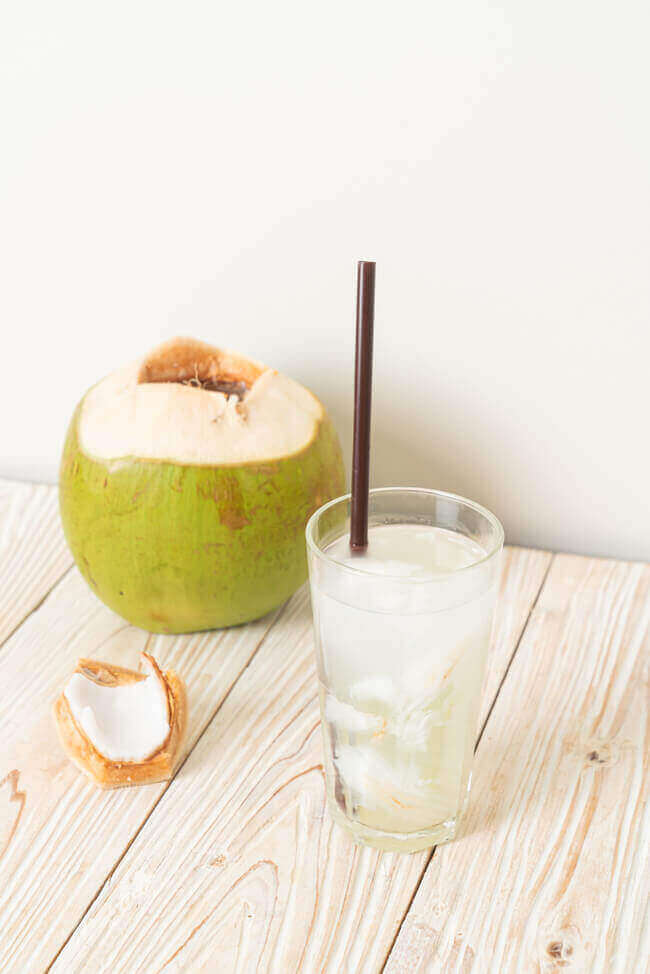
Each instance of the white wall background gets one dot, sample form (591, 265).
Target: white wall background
(216, 168)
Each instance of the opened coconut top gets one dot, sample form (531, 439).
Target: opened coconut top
(188, 402)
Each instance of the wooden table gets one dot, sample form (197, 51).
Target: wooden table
(235, 866)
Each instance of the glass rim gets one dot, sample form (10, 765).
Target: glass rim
(491, 518)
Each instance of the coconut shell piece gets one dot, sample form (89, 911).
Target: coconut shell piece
(107, 773)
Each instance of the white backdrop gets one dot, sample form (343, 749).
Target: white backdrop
(215, 169)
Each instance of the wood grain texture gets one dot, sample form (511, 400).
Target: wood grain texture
(33, 552)
(239, 867)
(552, 871)
(59, 835)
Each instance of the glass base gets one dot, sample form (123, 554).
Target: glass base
(396, 841)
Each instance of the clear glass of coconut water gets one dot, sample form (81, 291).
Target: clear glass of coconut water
(401, 633)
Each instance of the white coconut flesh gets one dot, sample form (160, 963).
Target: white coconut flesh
(126, 722)
(191, 403)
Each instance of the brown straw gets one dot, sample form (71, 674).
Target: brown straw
(362, 397)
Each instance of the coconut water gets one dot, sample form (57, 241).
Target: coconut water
(399, 686)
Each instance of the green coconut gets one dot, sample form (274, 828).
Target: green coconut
(186, 482)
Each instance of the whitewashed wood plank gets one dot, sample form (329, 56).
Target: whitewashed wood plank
(33, 552)
(552, 870)
(239, 867)
(59, 835)
(522, 576)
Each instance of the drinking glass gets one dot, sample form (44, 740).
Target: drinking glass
(401, 657)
